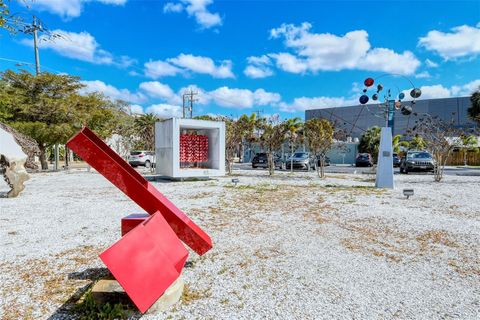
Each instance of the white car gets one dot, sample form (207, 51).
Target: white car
(142, 158)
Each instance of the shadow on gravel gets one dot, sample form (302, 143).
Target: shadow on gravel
(68, 310)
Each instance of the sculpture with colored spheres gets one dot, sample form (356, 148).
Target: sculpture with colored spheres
(384, 172)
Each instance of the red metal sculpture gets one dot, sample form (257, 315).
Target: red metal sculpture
(149, 257)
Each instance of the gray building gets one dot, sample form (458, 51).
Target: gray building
(356, 119)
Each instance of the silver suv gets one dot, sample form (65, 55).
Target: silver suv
(417, 161)
(142, 158)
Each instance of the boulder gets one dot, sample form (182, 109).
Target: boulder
(12, 163)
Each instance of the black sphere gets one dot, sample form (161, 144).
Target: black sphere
(363, 99)
(406, 110)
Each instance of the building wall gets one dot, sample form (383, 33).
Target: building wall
(356, 119)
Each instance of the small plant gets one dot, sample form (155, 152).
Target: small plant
(89, 309)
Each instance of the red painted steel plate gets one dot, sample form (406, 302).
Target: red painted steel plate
(107, 162)
(131, 221)
(146, 261)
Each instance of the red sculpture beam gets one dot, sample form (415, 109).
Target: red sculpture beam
(107, 162)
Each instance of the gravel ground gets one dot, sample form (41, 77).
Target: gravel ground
(286, 247)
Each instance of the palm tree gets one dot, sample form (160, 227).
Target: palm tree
(293, 128)
(370, 141)
(474, 110)
(145, 128)
(468, 143)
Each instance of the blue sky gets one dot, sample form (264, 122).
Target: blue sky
(242, 56)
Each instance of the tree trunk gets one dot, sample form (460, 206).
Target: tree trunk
(322, 167)
(43, 156)
(271, 164)
(291, 157)
(465, 158)
(229, 166)
(67, 156)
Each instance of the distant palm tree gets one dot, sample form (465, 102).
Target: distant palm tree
(474, 110)
(468, 143)
(293, 128)
(145, 128)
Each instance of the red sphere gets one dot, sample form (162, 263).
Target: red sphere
(368, 82)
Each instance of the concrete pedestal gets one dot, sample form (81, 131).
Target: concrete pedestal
(384, 177)
(110, 291)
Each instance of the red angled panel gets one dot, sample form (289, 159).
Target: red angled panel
(131, 221)
(107, 162)
(146, 261)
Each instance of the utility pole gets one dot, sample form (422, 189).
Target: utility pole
(258, 113)
(189, 97)
(35, 28)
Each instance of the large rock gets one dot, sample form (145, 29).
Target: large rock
(12, 161)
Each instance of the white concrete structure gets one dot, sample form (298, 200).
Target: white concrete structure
(384, 177)
(12, 161)
(167, 148)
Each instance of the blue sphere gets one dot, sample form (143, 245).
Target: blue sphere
(401, 96)
(363, 99)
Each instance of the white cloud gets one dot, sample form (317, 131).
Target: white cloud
(315, 52)
(68, 8)
(198, 10)
(423, 75)
(439, 91)
(136, 109)
(165, 110)
(290, 63)
(185, 63)
(156, 89)
(81, 46)
(431, 64)
(258, 67)
(205, 65)
(462, 41)
(306, 103)
(243, 98)
(172, 7)
(111, 91)
(157, 69)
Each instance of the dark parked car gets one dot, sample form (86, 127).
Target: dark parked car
(396, 160)
(364, 160)
(260, 160)
(417, 161)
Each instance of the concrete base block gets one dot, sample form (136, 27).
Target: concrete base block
(110, 291)
(169, 298)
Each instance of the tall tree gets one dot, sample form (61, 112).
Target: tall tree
(474, 110)
(293, 128)
(271, 139)
(440, 139)
(319, 138)
(48, 108)
(247, 126)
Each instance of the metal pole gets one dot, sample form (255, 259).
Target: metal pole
(35, 46)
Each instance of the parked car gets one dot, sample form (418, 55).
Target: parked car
(417, 161)
(260, 160)
(142, 158)
(364, 160)
(396, 160)
(301, 160)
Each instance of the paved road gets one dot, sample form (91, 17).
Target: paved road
(349, 169)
